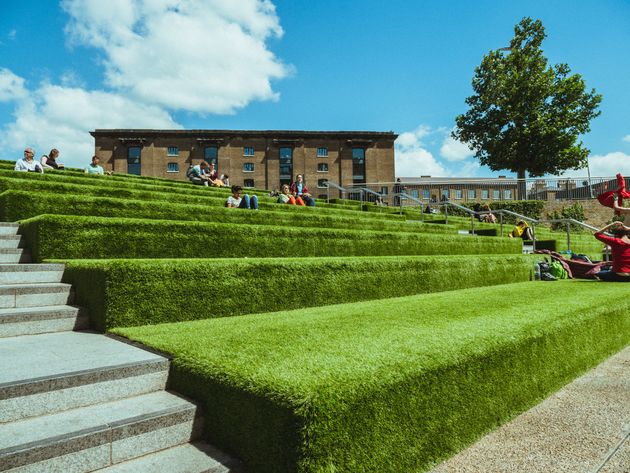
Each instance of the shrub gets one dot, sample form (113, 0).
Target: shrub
(121, 293)
(574, 211)
(393, 386)
(65, 237)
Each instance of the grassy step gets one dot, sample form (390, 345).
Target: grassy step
(387, 386)
(66, 237)
(123, 292)
(94, 188)
(20, 205)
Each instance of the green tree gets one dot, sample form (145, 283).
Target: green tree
(526, 116)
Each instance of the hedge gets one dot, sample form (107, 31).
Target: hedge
(37, 185)
(122, 293)
(392, 386)
(67, 237)
(20, 205)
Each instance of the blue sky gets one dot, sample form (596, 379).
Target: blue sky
(71, 66)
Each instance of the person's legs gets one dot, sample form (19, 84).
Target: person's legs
(253, 202)
(299, 201)
(244, 202)
(309, 201)
(527, 234)
(609, 276)
(292, 200)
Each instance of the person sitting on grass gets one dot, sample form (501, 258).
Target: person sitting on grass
(489, 217)
(236, 200)
(299, 189)
(522, 230)
(28, 164)
(285, 197)
(198, 174)
(95, 168)
(620, 247)
(213, 177)
(50, 161)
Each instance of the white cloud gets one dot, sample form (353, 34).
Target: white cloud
(626, 138)
(605, 165)
(453, 150)
(61, 117)
(412, 158)
(206, 56)
(11, 86)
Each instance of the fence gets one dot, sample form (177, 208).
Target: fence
(490, 189)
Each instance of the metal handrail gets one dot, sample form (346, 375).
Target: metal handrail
(336, 186)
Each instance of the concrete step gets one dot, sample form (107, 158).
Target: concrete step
(9, 228)
(93, 437)
(14, 255)
(35, 295)
(11, 241)
(34, 320)
(30, 273)
(48, 373)
(196, 457)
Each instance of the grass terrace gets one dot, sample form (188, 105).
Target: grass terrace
(390, 386)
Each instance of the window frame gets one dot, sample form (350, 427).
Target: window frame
(245, 183)
(319, 181)
(248, 148)
(169, 164)
(248, 164)
(322, 164)
(325, 152)
(170, 153)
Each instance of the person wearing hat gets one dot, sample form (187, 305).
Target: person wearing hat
(27, 163)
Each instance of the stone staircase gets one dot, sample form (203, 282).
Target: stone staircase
(73, 401)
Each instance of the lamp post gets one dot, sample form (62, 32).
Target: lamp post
(590, 186)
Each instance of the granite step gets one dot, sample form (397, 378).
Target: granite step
(196, 457)
(7, 228)
(14, 255)
(11, 241)
(35, 295)
(48, 373)
(30, 273)
(97, 436)
(35, 320)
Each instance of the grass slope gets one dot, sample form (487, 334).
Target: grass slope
(66, 237)
(390, 386)
(124, 292)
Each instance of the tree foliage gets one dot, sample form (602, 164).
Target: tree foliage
(526, 116)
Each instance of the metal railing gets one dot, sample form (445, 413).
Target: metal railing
(495, 189)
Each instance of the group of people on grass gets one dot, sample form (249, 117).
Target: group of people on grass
(205, 174)
(294, 194)
(49, 162)
(29, 164)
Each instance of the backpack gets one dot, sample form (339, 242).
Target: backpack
(557, 270)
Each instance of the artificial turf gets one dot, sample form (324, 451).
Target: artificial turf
(393, 385)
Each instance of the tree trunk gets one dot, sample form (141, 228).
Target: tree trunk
(522, 185)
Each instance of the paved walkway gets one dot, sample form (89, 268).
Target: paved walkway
(583, 428)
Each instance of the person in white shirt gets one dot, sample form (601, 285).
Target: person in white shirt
(241, 202)
(28, 164)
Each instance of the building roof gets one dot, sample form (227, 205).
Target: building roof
(290, 134)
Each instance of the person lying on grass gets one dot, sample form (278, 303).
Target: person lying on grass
(522, 230)
(620, 247)
(236, 200)
(285, 197)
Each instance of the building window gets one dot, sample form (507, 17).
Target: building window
(248, 183)
(133, 160)
(248, 167)
(172, 167)
(248, 151)
(425, 193)
(172, 151)
(472, 194)
(358, 165)
(211, 155)
(384, 190)
(414, 193)
(445, 194)
(322, 167)
(322, 152)
(496, 195)
(321, 183)
(507, 194)
(484, 194)
(286, 165)
(458, 194)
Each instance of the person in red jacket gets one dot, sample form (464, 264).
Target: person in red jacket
(299, 189)
(620, 247)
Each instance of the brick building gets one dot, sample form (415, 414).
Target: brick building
(262, 159)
